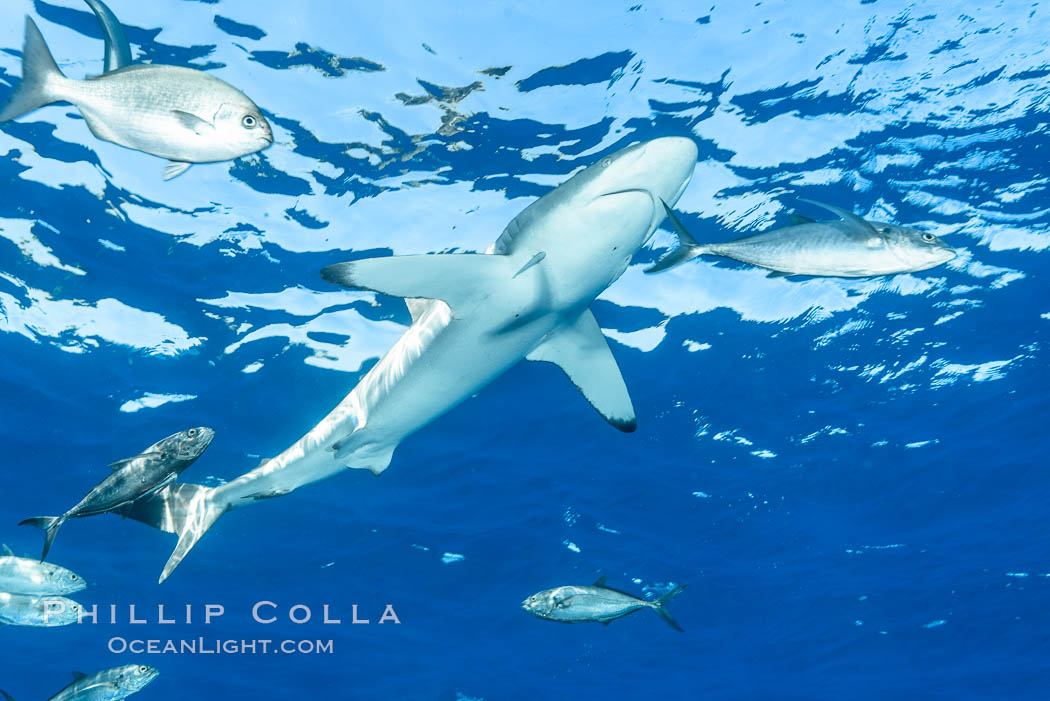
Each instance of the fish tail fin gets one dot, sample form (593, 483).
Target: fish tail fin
(187, 510)
(39, 74)
(50, 525)
(660, 606)
(687, 248)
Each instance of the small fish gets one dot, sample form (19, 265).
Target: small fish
(181, 114)
(576, 604)
(848, 247)
(132, 479)
(21, 575)
(108, 685)
(37, 611)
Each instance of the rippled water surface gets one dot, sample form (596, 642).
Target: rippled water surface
(850, 475)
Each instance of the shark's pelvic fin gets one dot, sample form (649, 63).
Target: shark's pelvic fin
(360, 457)
(461, 280)
(583, 353)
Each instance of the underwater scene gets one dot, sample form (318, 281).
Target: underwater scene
(352, 350)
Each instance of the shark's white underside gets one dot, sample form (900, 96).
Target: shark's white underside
(475, 316)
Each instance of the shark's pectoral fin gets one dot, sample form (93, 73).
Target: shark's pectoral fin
(583, 353)
(118, 52)
(460, 280)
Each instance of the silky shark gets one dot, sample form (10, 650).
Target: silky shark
(474, 317)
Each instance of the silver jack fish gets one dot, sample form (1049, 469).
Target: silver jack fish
(132, 478)
(37, 611)
(20, 575)
(107, 685)
(849, 247)
(181, 114)
(573, 604)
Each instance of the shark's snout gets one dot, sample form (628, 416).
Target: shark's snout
(673, 159)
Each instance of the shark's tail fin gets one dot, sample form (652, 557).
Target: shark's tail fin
(187, 510)
(687, 247)
(660, 606)
(39, 74)
(50, 525)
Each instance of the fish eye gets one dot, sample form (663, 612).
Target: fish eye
(192, 432)
(143, 669)
(249, 122)
(73, 577)
(929, 238)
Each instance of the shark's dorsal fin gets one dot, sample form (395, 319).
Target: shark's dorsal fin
(797, 219)
(461, 280)
(600, 582)
(77, 676)
(7, 551)
(118, 52)
(580, 349)
(846, 215)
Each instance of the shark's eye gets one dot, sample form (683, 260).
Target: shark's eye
(929, 238)
(249, 122)
(606, 162)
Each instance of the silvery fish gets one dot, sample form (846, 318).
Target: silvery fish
(848, 247)
(181, 114)
(132, 478)
(37, 611)
(597, 602)
(20, 575)
(107, 685)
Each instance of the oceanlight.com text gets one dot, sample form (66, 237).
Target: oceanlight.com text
(215, 646)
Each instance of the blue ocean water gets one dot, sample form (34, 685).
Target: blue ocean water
(849, 475)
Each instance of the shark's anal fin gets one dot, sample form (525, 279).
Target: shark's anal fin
(581, 350)
(460, 280)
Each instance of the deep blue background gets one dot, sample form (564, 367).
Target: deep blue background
(851, 481)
